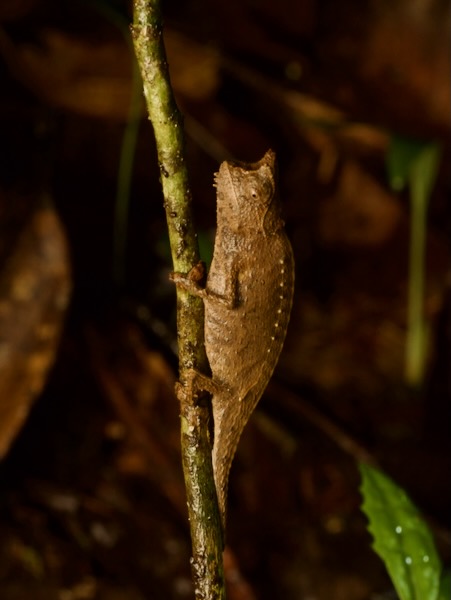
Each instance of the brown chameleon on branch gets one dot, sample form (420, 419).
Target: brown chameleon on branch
(247, 297)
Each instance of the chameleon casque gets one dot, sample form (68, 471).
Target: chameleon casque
(247, 297)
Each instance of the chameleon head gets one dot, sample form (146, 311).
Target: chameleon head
(246, 195)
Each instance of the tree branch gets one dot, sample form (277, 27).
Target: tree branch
(167, 123)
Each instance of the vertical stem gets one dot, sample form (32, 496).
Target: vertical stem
(422, 176)
(167, 123)
(415, 342)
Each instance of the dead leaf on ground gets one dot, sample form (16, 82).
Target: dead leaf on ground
(95, 77)
(34, 293)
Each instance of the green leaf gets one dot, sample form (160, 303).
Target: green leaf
(412, 161)
(402, 152)
(445, 587)
(423, 171)
(401, 537)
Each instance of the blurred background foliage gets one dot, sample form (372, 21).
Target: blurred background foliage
(91, 498)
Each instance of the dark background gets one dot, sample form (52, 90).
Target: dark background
(91, 498)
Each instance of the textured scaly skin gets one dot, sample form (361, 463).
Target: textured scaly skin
(248, 300)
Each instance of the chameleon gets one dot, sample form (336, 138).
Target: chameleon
(247, 300)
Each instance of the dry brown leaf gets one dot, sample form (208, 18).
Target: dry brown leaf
(361, 212)
(72, 73)
(95, 77)
(34, 293)
(193, 67)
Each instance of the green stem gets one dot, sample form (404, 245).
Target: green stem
(167, 123)
(415, 342)
(422, 176)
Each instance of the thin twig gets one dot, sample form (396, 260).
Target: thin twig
(167, 123)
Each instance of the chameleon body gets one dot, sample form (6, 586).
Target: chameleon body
(248, 298)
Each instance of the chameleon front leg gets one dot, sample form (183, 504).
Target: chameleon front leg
(225, 287)
(193, 281)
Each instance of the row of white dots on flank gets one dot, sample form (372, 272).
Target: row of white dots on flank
(281, 298)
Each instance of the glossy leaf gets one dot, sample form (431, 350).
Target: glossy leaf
(402, 539)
